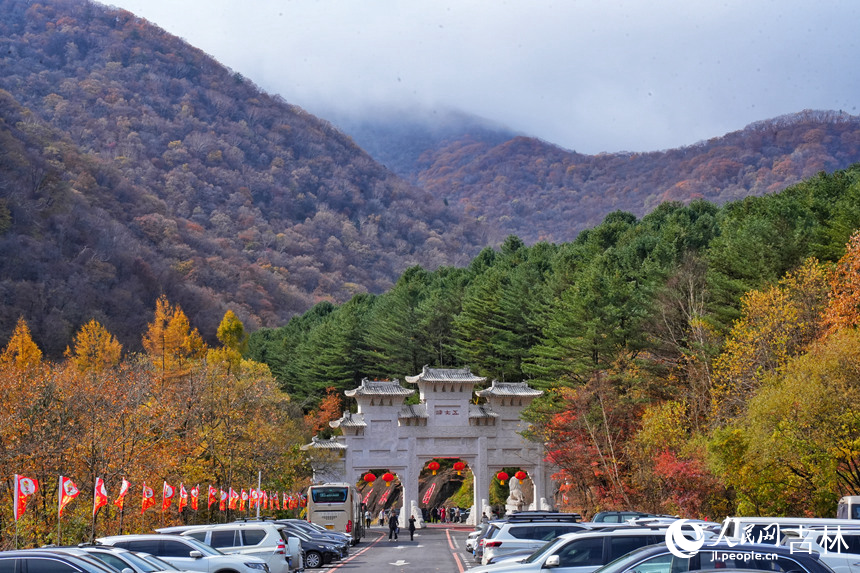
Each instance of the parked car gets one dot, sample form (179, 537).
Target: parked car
(49, 560)
(581, 552)
(317, 551)
(342, 540)
(338, 548)
(715, 558)
(620, 516)
(119, 558)
(513, 536)
(264, 539)
(472, 538)
(486, 548)
(766, 529)
(838, 547)
(158, 563)
(348, 539)
(187, 553)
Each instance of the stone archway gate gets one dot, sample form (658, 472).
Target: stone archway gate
(446, 423)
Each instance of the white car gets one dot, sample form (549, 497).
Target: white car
(266, 540)
(837, 546)
(581, 552)
(187, 553)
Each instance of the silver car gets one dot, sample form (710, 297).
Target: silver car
(187, 553)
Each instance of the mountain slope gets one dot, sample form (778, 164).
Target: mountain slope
(134, 164)
(530, 188)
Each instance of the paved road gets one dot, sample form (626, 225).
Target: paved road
(434, 549)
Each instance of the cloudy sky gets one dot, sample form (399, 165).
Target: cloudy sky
(588, 75)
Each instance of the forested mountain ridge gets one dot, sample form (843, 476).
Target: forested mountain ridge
(713, 350)
(135, 165)
(538, 191)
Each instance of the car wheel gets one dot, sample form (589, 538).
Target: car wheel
(313, 559)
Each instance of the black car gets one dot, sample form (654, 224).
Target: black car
(51, 561)
(713, 556)
(341, 540)
(318, 552)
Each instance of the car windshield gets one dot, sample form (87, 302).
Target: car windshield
(139, 562)
(300, 534)
(548, 546)
(202, 547)
(160, 564)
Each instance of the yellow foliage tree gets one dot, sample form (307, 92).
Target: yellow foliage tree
(777, 324)
(171, 342)
(21, 350)
(95, 348)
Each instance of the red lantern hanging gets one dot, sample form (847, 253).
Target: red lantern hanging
(388, 477)
(521, 475)
(502, 477)
(433, 466)
(369, 478)
(459, 466)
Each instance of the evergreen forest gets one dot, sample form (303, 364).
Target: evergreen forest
(700, 361)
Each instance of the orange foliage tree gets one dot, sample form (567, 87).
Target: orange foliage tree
(843, 305)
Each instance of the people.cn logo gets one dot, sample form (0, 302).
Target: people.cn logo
(681, 545)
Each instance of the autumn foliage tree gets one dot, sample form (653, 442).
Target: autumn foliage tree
(171, 342)
(98, 414)
(95, 348)
(843, 305)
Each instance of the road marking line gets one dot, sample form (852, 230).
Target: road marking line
(351, 557)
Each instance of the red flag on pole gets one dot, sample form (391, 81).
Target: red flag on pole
(24, 488)
(68, 492)
(213, 496)
(233, 499)
(100, 498)
(123, 489)
(147, 498)
(183, 497)
(195, 495)
(167, 493)
(243, 497)
(222, 503)
(255, 497)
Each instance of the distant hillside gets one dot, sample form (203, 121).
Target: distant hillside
(133, 164)
(400, 139)
(538, 191)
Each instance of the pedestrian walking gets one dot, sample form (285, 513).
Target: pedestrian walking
(411, 528)
(367, 518)
(381, 517)
(393, 526)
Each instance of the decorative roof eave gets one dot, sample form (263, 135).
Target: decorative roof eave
(481, 411)
(509, 389)
(379, 388)
(349, 420)
(446, 375)
(318, 444)
(413, 411)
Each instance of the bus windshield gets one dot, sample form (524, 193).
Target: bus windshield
(329, 494)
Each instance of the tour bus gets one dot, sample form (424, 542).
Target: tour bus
(337, 507)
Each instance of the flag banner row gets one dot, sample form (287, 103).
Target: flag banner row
(25, 488)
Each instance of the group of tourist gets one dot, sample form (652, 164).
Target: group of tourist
(445, 515)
